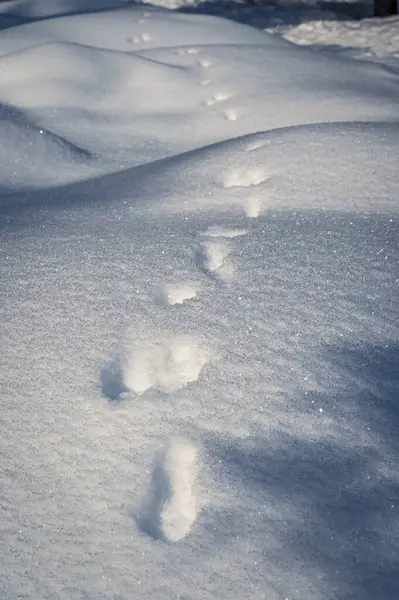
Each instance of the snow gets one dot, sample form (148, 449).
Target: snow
(199, 324)
(168, 363)
(367, 39)
(170, 509)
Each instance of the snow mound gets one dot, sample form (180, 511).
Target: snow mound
(295, 158)
(128, 29)
(171, 507)
(97, 91)
(367, 39)
(72, 76)
(256, 183)
(29, 147)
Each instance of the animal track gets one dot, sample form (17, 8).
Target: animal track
(205, 63)
(145, 37)
(210, 255)
(171, 507)
(220, 97)
(176, 293)
(188, 51)
(231, 114)
(216, 231)
(247, 178)
(253, 207)
(167, 364)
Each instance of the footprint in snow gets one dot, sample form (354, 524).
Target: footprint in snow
(253, 207)
(145, 37)
(219, 97)
(176, 293)
(205, 63)
(165, 362)
(231, 114)
(170, 508)
(247, 178)
(188, 51)
(210, 256)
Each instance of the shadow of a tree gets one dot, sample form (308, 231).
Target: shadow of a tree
(329, 504)
(270, 13)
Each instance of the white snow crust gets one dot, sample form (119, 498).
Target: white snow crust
(199, 268)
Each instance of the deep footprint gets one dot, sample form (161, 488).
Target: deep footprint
(211, 255)
(176, 293)
(165, 362)
(170, 509)
(205, 63)
(231, 114)
(219, 97)
(247, 178)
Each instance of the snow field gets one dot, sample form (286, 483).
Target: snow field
(225, 285)
(54, 76)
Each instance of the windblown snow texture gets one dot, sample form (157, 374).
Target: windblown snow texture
(199, 325)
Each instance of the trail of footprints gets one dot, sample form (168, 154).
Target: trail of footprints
(171, 505)
(144, 37)
(230, 114)
(169, 363)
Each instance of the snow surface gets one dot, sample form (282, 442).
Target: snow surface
(367, 39)
(199, 325)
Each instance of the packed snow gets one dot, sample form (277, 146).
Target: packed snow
(199, 324)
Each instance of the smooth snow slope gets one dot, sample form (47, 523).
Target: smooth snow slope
(199, 342)
(169, 99)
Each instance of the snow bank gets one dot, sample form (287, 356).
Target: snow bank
(96, 91)
(368, 39)
(224, 271)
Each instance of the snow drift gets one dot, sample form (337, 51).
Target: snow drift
(199, 243)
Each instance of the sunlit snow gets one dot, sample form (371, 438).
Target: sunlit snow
(199, 324)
